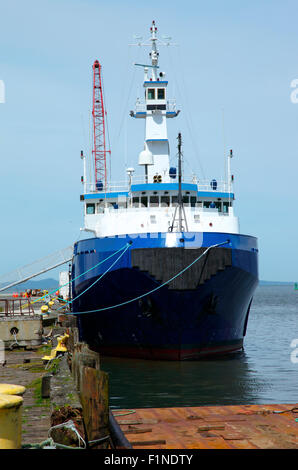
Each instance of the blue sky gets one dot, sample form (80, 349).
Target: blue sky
(235, 59)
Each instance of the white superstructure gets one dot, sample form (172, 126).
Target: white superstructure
(147, 203)
(155, 109)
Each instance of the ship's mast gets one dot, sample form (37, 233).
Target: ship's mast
(180, 200)
(155, 157)
(154, 53)
(180, 206)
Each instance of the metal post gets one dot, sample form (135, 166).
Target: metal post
(69, 286)
(180, 202)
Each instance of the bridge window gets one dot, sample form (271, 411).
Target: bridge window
(206, 204)
(185, 200)
(154, 200)
(135, 202)
(165, 201)
(193, 201)
(161, 94)
(174, 201)
(144, 201)
(90, 209)
(226, 206)
(151, 94)
(218, 206)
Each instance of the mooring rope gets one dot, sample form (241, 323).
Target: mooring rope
(153, 290)
(50, 443)
(99, 278)
(69, 425)
(82, 274)
(128, 412)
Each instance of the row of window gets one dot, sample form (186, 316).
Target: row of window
(86, 252)
(156, 94)
(161, 201)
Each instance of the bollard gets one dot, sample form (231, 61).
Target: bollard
(10, 389)
(44, 309)
(10, 421)
(46, 386)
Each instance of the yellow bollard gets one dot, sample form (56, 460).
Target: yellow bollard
(10, 389)
(10, 421)
(61, 347)
(44, 309)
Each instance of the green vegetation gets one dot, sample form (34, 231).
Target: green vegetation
(36, 367)
(44, 350)
(36, 386)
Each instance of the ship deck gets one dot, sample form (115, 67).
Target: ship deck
(211, 427)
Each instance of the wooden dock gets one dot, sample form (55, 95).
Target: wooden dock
(211, 427)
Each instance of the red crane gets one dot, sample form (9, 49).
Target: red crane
(99, 138)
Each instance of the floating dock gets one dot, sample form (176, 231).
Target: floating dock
(211, 427)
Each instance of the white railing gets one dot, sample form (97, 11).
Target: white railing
(159, 210)
(171, 105)
(119, 186)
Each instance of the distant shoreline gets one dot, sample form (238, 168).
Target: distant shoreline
(276, 283)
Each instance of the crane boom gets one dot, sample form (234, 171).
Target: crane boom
(99, 139)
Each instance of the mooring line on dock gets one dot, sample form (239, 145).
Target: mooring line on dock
(153, 290)
(128, 412)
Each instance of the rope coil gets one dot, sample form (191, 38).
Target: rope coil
(69, 425)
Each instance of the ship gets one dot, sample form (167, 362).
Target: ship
(164, 273)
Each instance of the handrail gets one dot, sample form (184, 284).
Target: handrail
(117, 186)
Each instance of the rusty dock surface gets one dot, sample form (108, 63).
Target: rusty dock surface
(211, 427)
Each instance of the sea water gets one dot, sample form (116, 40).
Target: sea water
(266, 371)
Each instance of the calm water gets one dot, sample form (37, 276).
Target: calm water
(263, 373)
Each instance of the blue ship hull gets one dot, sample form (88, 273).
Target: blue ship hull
(202, 312)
